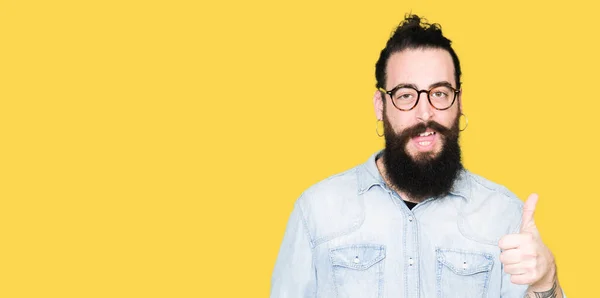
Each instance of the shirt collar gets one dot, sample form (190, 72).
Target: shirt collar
(369, 176)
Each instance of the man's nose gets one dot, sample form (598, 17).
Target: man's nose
(424, 109)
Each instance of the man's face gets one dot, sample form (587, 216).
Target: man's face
(421, 68)
(422, 156)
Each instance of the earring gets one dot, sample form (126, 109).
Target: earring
(466, 121)
(377, 127)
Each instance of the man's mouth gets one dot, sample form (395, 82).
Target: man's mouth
(425, 140)
(428, 133)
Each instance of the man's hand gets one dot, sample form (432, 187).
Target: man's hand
(526, 258)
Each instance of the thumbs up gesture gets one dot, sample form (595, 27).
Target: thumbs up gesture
(524, 255)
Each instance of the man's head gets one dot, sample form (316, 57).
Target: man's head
(422, 155)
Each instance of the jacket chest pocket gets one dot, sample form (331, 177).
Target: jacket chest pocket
(358, 270)
(462, 273)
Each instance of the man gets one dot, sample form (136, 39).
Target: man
(411, 221)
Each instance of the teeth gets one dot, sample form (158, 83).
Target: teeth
(426, 134)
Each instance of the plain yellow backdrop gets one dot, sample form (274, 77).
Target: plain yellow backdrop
(155, 148)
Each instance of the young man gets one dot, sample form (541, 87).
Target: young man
(411, 221)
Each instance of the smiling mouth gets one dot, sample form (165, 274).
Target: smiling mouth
(425, 134)
(425, 139)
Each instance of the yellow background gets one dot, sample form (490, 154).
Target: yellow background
(155, 148)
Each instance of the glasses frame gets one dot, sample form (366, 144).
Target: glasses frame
(428, 92)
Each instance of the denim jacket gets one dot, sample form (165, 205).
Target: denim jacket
(350, 235)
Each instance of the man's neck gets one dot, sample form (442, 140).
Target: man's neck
(383, 172)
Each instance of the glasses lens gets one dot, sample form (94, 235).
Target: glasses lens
(441, 97)
(405, 98)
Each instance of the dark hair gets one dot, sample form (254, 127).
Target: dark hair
(414, 33)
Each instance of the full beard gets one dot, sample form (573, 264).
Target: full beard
(424, 175)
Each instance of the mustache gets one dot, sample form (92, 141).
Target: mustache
(420, 128)
(415, 130)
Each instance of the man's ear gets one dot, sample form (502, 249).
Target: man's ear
(460, 107)
(378, 105)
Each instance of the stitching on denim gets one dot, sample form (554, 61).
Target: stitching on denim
(379, 263)
(487, 267)
(363, 187)
(312, 248)
(441, 264)
(404, 256)
(355, 226)
(381, 255)
(438, 273)
(461, 222)
(462, 179)
(305, 224)
(493, 186)
(381, 276)
(487, 279)
(416, 256)
(335, 283)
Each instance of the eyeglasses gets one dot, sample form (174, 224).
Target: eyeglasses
(406, 98)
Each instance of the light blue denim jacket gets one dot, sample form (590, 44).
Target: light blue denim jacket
(352, 236)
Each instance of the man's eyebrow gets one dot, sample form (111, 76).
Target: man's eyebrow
(441, 83)
(436, 84)
(402, 85)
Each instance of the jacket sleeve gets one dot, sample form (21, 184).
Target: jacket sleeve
(294, 274)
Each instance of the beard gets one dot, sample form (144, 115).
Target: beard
(426, 174)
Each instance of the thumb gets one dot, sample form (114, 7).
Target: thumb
(528, 210)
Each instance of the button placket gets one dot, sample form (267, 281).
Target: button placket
(412, 249)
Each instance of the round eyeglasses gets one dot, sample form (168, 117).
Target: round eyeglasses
(406, 98)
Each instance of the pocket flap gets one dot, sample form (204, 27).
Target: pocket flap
(360, 256)
(465, 263)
